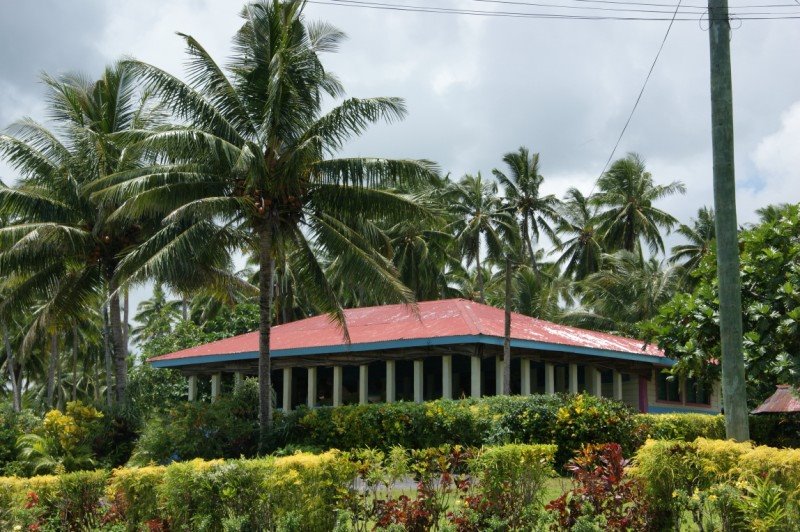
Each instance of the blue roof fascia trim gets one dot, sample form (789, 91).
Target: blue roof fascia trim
(677, 409)
(417, 342)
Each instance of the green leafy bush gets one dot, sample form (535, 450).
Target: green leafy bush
(775, 430)
(12, 426)
(685, 427)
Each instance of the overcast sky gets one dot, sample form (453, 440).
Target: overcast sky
(477, 87)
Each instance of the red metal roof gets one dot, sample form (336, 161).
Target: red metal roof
(781, 402)
(398, 323)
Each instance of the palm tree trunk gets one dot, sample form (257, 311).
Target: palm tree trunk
(480, 274)
(126, 327)
(107, 356)
(74, 362)
(507, 333)
(117, 343)
(51, 369)
(184, 308)
(528, 243)
(15, 395)
(265, 280)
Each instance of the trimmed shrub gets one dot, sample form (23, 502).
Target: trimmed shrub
(685, 427)
(133, 494)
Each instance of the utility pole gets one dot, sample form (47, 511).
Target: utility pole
(730, 291)
(507, 336)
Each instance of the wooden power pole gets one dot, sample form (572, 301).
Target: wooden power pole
(730, 292)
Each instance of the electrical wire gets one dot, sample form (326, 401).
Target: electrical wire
(638, 98)
(533, 15)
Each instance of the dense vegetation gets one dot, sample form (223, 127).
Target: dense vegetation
(143, 177)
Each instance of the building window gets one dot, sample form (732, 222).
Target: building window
(698, 392)
(668, 388)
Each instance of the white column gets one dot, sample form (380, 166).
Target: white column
(238, 378)
(617, 385)
(337, 385)
(216, 385)
(363, 383)
(192, 385)
(475, 377)
(573, 378)
(596, 379)
(287, 389)
(498, 376)
(549, 379)
(447, 377)
(419, 392)
(525, 369)
(390, 381)
(311, 394)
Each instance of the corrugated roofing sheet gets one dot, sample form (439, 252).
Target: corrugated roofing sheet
(781, 402)
(433, 319)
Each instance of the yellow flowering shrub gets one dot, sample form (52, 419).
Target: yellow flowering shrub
(720, 459)
(133, 492)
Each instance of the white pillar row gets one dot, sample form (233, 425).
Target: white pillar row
(287, 389)
(617, 385)
(238, 378)
(216, 386)
(192, 387)
(475, 377)
(311, 394)
(419, 383)
(549, 379)
(573, 378)
(390, 381)
(498, 376)
(525, 369)
(363, 383)
(337, 385)
(596, 379)
(447, 377)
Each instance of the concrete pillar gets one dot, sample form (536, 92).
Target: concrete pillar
(191, 383)
(573, 378)
(216, 386)
(337, 385)
(363, 383)
(596, 380)
(498, 376)
(311, 394)
(287, 389)
(390, 381)
(419, 390)
(238, 379)
(525, 369)
(549, 379)
(475, 377)
(447, 377)
(617, 385)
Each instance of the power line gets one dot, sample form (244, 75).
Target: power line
(647, 4)
(638, 98)
(533, 15)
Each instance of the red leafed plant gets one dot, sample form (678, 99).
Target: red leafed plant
(602, 490)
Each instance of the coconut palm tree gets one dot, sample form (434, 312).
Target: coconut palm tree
(63, 241)
(155, 316)
(481, 219)
(626, 291)
(627, 192)
(700, 236)
(580, 246)
(521, 187)
(250, 168)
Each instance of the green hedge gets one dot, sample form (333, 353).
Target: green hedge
(299, 492)
(226, 428)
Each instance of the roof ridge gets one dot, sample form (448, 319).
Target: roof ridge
(468, 316)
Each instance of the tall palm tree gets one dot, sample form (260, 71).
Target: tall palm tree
(249, 170)
(627, 191)
(62, 240)
(626, 291)
(521, 187)
(480, 219)
(700, 236)
(155, 316)
(580, 244)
